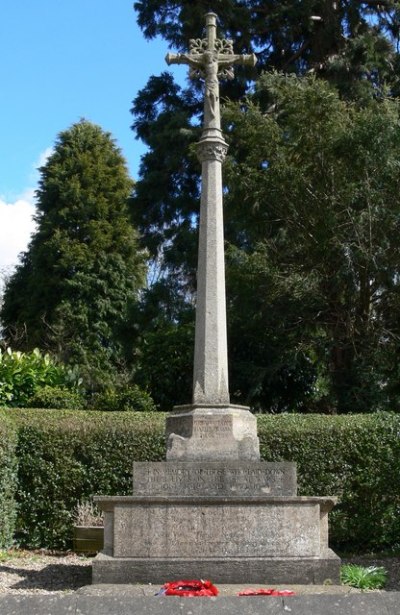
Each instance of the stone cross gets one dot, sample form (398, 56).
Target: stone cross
(211, 58)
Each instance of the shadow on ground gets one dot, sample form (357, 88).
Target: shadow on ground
(50, 578)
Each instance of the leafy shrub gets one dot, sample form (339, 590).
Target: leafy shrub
(57, 398)
(8, 481)
(107, 400)
(354, 457)
(166, 361)
(22, 374)
(67, 456)
(131, 398)
(372, 577)
(134, 398)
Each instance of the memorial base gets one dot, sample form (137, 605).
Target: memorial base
(268, 571)
(235, 539)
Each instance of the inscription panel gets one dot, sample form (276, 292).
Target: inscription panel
(214, 478)
(212, 427)
(208, 433)
(223, 531)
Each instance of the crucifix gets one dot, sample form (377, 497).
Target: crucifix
(211, 58)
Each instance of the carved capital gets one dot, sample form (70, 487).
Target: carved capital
(211, 151)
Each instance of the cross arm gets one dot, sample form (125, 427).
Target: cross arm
(182, 58)
(242, 60)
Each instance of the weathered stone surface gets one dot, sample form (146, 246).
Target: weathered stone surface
(356, 604)
(236, 538)
(269, 571)
(212, 433)
(37, 605)
(216, 526)
(204, 606)
(178, 606)
(211, 58)
(223, 478)
(210, 369)
(133, 590)
(119, 602)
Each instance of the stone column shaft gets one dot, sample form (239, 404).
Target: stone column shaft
(210, 373)
(211, 428)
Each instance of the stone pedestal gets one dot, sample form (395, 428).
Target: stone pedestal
(230, 521)
(212, 432)
(236, 539)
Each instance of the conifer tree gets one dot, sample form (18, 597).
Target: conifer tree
(353, 44)
(71, 291)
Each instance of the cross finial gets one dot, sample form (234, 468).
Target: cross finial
(211, 30)
(211, 58)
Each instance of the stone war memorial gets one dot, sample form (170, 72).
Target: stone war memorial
(213, 509)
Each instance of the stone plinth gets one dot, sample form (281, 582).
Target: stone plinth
(212, 432)
(254, 539)
(209, 478)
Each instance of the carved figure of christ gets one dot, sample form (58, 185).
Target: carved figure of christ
(211, 58)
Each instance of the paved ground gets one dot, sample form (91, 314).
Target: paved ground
(41, 572)
(59, 584)
(149, 590)
(126, 603)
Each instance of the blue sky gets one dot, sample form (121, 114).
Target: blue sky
(61, 60)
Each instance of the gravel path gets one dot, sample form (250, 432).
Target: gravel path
(24, 572)
(39, 572)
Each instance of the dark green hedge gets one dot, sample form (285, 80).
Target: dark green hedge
(66, 456)
(356, 458)
(8, 480)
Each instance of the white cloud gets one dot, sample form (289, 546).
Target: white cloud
(16, 227)
(16, 219)
(40, 162)
(44, 156)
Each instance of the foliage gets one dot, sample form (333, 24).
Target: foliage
(273, 364)
(348, 41)
(163, 116)
(353, 45)
(166, 363)
(5, 273)
(165, 346)
(71, 291)
(353, 457)
(162, 340)
(69, 456)
(269, 369)
(57, 397)
(130, 398)
(22, 374)
(371, 577)
(313, 184)
(8, 481)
